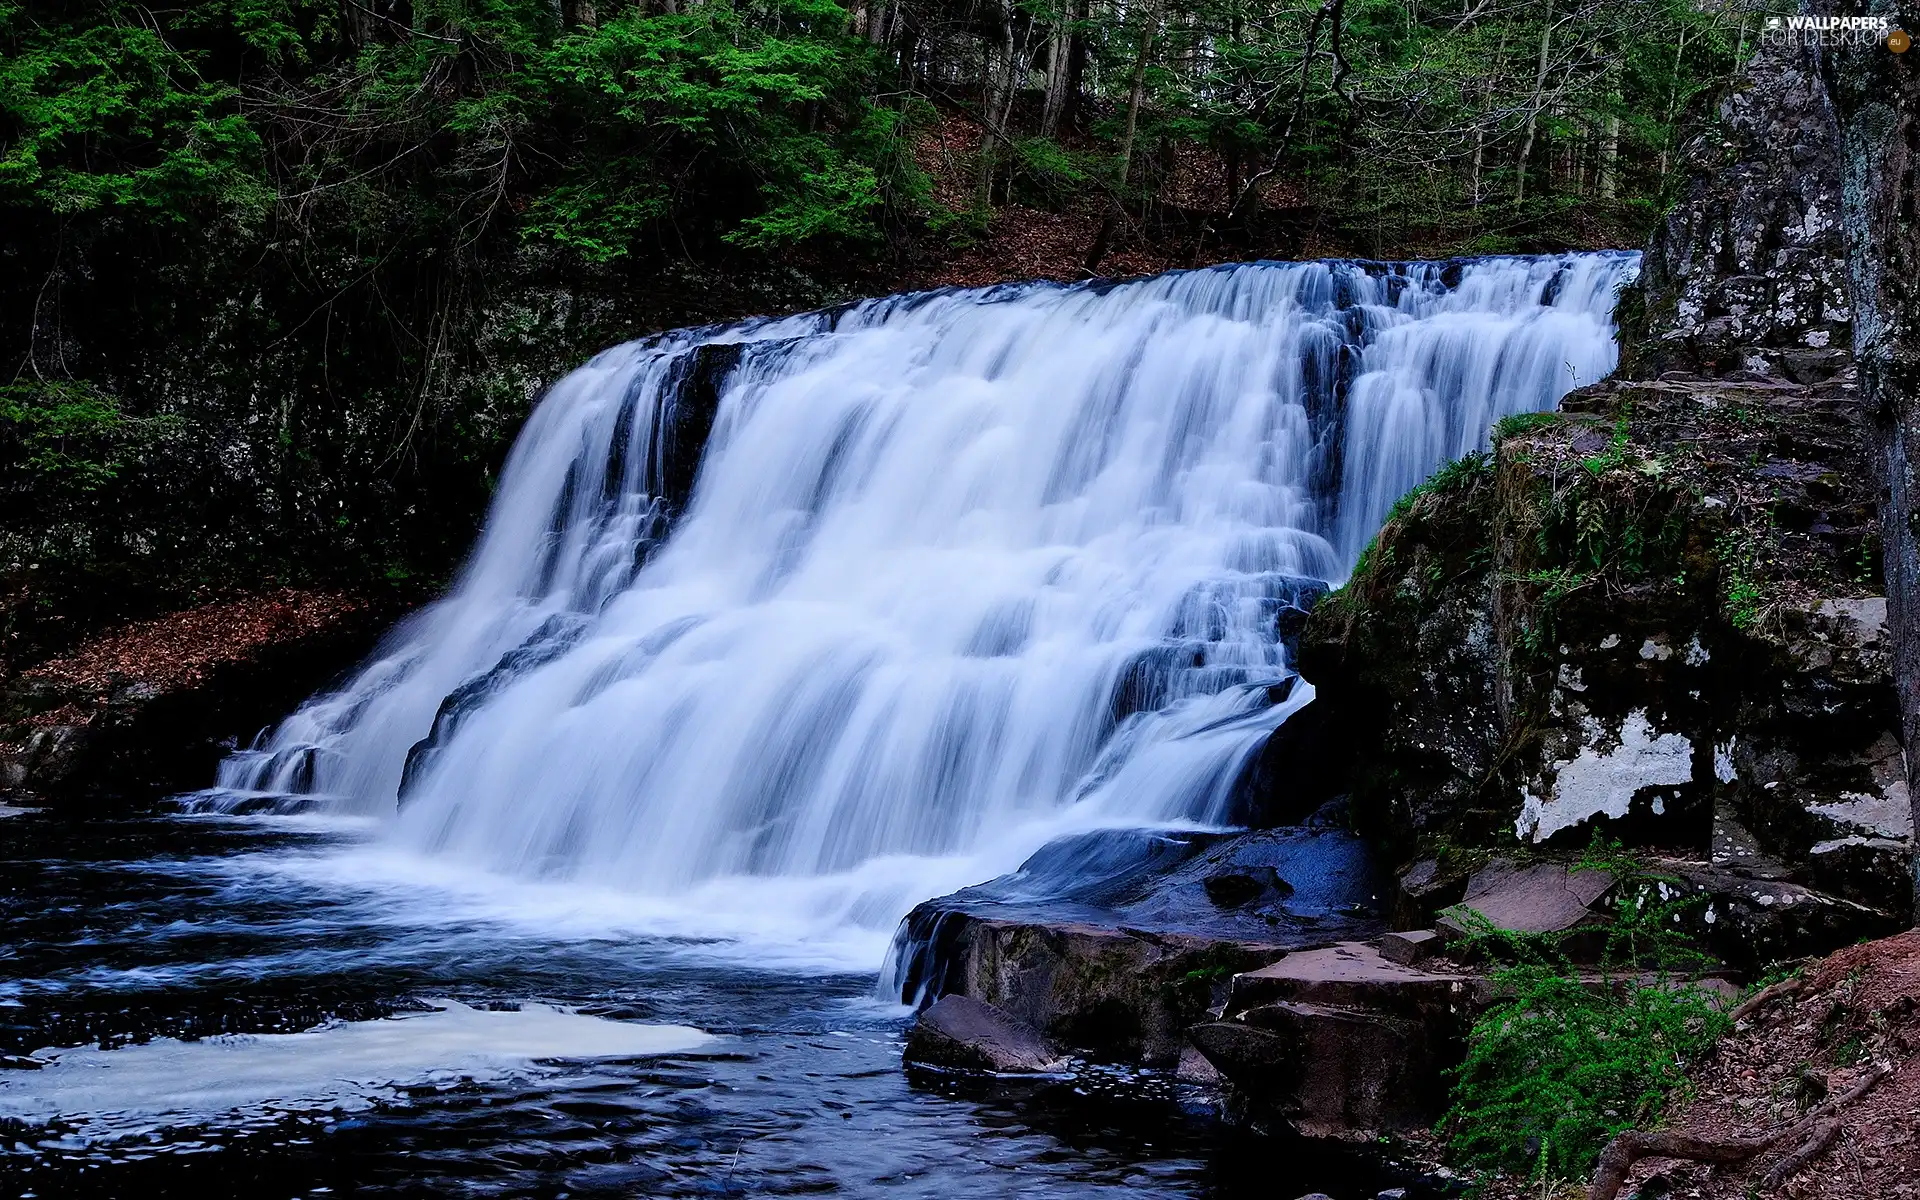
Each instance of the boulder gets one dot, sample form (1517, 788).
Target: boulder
(961, 1033)
(1116, 995)
(1357, 976)
(1546, 897)
(1114, 943)
(1408, 947)
(1750, 922)
(1341, 1042)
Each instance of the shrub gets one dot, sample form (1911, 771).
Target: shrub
(1563, 1060)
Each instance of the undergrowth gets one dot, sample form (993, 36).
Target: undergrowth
(1564, 1060)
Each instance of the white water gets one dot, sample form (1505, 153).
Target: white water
(344, 1066)
(932, 540)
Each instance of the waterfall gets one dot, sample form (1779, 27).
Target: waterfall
(828, 614)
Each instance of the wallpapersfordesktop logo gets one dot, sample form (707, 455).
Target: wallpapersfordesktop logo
(1836, 31)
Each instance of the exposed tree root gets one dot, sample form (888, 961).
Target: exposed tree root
(1822, 1136)
(1760, 999)
(1811, 1134)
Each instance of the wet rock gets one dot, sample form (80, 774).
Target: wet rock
(1233, 889)
(1112, 944)
(959, 1032)
(1112, 994)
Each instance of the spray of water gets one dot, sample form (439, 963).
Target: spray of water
(957, 573)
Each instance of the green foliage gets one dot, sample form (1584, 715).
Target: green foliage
(67, 438)
(1515, 424)
(1455, 476)
(1741, 595)
(1616, 452)
(1562, 1061)
(1612, 522)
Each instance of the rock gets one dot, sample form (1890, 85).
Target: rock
(1540, 898)
(961, 1033)
(1423, 890)
(1232, 889)
(1748, 271)
(1112, 994)
(1195, 1069)
(1410, 946)
(1340, 1042)
(1112, 944)
(1352, 975)
(1750, 922)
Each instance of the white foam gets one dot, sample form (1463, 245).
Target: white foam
(344, 1066)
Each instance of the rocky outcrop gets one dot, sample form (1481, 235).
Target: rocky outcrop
(1113, 944)
(1652, 616)
(151, 707)
(1747, 272)
(1659, 615)
(1876, 99)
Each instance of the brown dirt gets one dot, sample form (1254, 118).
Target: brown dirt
(180, 649)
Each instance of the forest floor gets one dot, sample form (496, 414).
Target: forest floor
(180, 650)
(1853, 1012)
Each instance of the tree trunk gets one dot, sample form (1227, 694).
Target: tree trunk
(1533, 109)
(1610, 159)
(1061, 52)
(1673, 107)
(1150, 17)
(1876, 98)
(996, 89)
(1150, 14)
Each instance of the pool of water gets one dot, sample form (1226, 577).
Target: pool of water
(216, 1006)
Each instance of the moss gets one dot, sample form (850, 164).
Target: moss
(1521, 423)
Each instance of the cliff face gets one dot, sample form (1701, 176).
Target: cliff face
(1748, 270)
(1876, 99)
(1659, 614)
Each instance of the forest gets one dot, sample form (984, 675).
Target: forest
(279, 280)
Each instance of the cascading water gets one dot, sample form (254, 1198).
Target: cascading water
(959, 572)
